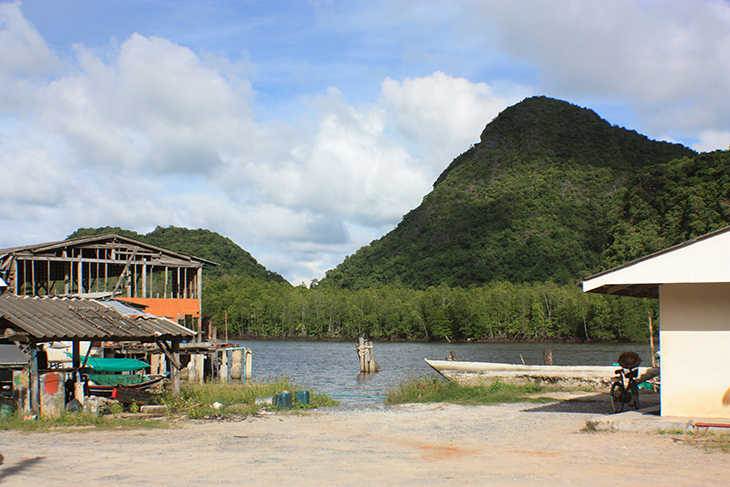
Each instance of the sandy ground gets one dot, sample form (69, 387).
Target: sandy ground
(434, 444)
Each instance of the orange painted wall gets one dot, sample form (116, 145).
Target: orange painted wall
(168, 308)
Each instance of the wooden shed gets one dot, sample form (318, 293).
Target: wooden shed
(29, 322)
(167, 283)
(692, 282)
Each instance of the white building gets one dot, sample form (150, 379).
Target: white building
(692, 282)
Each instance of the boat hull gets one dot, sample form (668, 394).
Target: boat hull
(597, 378)
(108, 390)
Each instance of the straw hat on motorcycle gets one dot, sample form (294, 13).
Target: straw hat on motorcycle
(629, 360)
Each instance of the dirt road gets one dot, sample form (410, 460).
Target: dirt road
(435, 444)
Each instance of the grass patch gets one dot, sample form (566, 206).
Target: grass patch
(428, 389)
(69, 422)
(717, 443)
(196, 401)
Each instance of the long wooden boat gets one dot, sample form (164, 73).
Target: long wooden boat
(474, 373)
(109, 390)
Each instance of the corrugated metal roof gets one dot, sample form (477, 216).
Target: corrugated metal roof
(47, 318)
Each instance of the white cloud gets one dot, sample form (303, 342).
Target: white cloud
(669, 60)
(22, 49)
(32, 177)
(710, 140)
(148, 131)
(440, 114)
(25, 59)
(156, 107)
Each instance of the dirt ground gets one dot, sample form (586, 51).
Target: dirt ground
(432, 444)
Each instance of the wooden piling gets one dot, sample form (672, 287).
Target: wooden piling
(247, 364)
(367, 358)
(547, 357)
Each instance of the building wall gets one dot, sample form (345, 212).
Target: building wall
(169, 308)
(695, 349)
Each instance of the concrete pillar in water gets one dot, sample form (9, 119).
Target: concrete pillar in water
(237, 364)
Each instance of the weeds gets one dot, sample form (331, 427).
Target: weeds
(211, 399)
(438, 390)
(77, 421)
(195, 401)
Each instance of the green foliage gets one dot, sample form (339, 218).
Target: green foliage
(534, 201)
(73, 421)
(233, 260)
(495, 311)
(196, 401)
(429, 390)
(667, 204)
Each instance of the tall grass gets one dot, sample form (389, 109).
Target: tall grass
(427, 389)
(197, 401)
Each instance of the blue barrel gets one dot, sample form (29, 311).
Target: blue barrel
(303, 397)
(283, 400)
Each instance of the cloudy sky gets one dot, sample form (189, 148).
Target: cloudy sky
(303, 130)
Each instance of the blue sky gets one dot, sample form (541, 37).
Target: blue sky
(303, 130)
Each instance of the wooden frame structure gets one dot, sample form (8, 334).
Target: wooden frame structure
(109, 265)
(29, 322)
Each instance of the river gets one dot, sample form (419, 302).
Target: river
(333, 367)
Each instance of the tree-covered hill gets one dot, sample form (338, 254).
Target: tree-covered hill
(233, 260)
(667, 204)
(535, 200)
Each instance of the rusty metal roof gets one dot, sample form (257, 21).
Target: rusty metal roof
(45, 319)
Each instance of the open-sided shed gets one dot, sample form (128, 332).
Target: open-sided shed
(168, 283)
(29, 322)
(692, 282)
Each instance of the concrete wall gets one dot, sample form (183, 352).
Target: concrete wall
(695, 349)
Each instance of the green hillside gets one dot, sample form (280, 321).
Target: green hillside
(670, 203)
(233, 260)
(535, 200)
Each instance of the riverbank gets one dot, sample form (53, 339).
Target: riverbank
(412, 444)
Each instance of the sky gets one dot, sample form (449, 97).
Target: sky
(303, 130)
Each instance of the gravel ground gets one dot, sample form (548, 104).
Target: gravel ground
(415, 444)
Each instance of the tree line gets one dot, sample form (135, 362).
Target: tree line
(254, 308)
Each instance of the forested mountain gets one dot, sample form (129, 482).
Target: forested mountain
(670, 203)
(233, 260)
(552, 193)
(535, 200)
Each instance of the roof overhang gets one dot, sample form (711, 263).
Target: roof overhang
(703, 259)
(47, 319)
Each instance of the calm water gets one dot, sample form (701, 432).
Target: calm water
(334, 368)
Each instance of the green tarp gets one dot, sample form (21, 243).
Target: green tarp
(115, 379)
(115, 364)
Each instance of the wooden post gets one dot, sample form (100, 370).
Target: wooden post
(226, 366)
(651, 339)
(367, 358)
(236, 364)
(247, 364)
(76, 354)
(547, 357)
(80, 278)
(174, 370)
(144, 280)
(34, 381)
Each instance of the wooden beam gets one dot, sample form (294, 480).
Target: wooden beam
(169, 353)
(35, 380)
(175, 372)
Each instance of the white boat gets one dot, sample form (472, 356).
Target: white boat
(569, 376)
